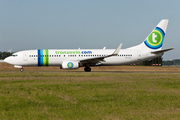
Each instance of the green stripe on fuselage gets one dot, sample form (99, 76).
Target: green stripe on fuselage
(45, 58)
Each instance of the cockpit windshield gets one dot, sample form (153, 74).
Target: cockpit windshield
(14, 55)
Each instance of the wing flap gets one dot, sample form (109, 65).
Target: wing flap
(92, 60)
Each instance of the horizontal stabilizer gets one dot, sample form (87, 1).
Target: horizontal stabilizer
(162, 51)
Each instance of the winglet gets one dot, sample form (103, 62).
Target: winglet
(117, 50)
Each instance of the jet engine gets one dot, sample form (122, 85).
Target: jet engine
(70, 65)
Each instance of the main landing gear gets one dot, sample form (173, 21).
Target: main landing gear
(87, 69)
(21, 69)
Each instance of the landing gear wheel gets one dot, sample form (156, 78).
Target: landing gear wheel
(21, 69)
(87, 69)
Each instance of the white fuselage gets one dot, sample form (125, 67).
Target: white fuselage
(55, 57)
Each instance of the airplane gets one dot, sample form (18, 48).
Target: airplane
(150, 48)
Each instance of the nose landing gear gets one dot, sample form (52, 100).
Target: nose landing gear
(21, 69)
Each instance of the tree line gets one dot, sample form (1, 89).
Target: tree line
(3, 55)
(158, 60)
(175, 62)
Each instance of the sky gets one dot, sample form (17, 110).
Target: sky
(88, 24)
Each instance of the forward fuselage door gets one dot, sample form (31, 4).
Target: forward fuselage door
(25, 56)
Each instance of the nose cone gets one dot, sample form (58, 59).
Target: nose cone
(7, 60)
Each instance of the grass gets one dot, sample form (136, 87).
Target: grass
(89, 96)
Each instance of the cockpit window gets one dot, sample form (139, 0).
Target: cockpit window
(15, 55)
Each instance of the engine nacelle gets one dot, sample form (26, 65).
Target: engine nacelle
(70, 65)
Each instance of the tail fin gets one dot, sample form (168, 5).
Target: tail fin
(155, 38)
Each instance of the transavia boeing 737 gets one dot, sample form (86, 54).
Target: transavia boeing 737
(150, 48)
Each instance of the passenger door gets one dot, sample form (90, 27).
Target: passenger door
(139, 55)
(25, 56)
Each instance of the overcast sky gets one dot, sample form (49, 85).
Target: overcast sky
(88, 24)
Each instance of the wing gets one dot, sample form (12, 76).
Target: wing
(99, 59)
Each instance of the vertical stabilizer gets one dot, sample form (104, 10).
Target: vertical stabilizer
(155, 39)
